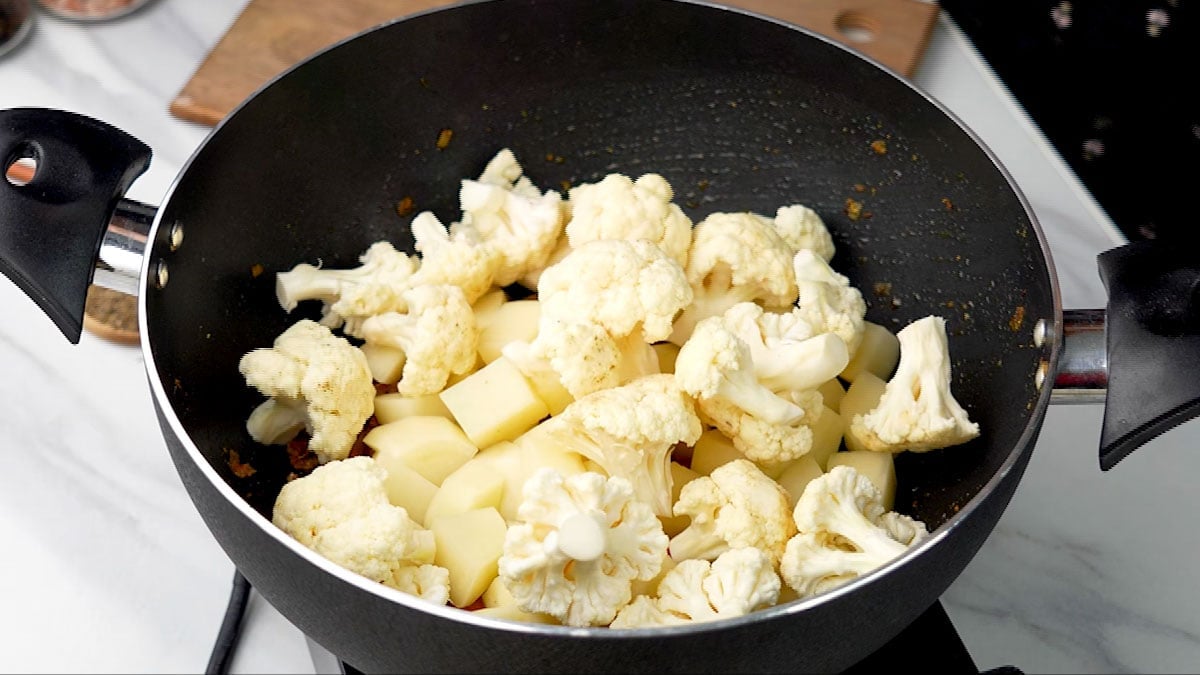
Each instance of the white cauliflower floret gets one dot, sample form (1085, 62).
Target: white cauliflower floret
(438, 337)
(735, 257)
(766, 443)
(917, 411)
(843, 532)
(620, 208)
(738, 582)
(802, 228)
(459, 258)
(624, 286)
(715, 363)
(578, 545)
(309, 368)
(827, 300)
(630, 431)
(512, 215)
(350, 295)
(735, 506)
(342, 512)
(600, 309)
(787, 353)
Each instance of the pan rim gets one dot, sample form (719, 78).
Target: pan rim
(1016, 454)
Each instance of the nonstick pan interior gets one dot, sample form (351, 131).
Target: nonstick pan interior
(737, 112)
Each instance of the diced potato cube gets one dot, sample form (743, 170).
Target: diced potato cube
(385, 363)
(517, 461)
(878, 354)
(827, 436)
(796, 476)
(550, 389)
(431, 446)
(832, 393)
(861, 397)
(667, 352)
(469, 545)
(474, 485)
(713, 449)
(494, 404)
(497, 594)
(407, 488)
(880, 467)
(394, 406)
(514, 613)
(515, 321)
(485, 307)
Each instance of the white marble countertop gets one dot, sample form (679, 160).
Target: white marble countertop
(113, 571)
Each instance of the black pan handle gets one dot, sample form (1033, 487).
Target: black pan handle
(1153, 344)
(52, 226)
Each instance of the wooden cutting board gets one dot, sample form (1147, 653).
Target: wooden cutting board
(271, 35)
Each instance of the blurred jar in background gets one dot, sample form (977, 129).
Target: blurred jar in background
(91, 10)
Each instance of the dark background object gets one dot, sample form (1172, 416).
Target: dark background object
(1107, 82)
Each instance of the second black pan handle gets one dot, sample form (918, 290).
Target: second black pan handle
(51, 227)
(1153, 344)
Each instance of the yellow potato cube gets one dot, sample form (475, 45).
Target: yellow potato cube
(515, 321)
(514, 613)
(487, 304)
(827, 436)
(861, 397)
(431, 446)
(494, 403)
(497, 594)
(880, 467)
(713, 449)
(407, 488)
(385, 363)
(474, 485)
(878, 354)
(796, 476)
(832, 393)
(515, 462)
(469, 545)
(667, 352)
(393, 406)
(550, 389)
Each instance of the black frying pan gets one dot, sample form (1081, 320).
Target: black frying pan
(738, 112)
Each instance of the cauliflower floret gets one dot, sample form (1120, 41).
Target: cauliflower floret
(510, 213)
(843, 532)
(735, 506)
(620, 208)
(787, 353)
(735, 257)
(342, 512)
(578, 545)
(461, 258)
(738, 582)
(310, 368)
(827, 300)
(802, 228)
(716, 364)
(917, 411)
(600, 309)
(766, 443)
(350, 295)
(629, 431)
(438, 337)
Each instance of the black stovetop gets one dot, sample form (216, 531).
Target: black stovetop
(930, 643)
